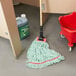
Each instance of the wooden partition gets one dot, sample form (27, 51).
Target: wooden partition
(30, 2)
(8, 28)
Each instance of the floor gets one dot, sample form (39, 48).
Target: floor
(9, 66)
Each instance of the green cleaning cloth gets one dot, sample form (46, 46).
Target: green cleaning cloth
(39, 55)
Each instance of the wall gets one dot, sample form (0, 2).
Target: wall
(3, 24)
(59, 6)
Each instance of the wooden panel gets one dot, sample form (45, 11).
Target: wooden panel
(30, 2)
(10, 23)
(59, 6)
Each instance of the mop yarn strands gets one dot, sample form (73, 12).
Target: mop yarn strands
(39, 55)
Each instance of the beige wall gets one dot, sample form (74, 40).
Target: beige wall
(59, 6)
(3, 25)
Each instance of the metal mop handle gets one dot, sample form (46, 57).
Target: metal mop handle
(41, 37)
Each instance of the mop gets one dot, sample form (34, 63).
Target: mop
(39, 55)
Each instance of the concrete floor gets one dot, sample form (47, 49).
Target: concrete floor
(9, 66)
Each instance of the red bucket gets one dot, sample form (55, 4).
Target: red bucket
(68, 27)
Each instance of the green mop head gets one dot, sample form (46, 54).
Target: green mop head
(39, 55)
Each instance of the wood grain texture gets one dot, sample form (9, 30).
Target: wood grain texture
(10, 23)
(30, 2)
